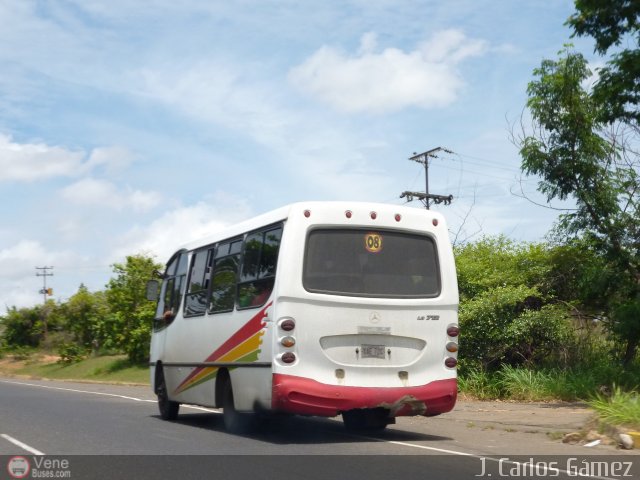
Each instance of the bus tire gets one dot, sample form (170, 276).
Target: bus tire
(366, 420)
(234, 421)
(168, 408)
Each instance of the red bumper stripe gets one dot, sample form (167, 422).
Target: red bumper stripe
(304, 396)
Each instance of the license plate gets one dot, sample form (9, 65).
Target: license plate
(372, 351)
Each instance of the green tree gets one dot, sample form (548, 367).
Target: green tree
(87, 317)
(22, 327)
(576, 158)
(131, 314)
(508, 314)
(610, 23)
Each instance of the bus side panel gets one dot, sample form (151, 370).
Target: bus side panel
(252, 388)
(241, 337)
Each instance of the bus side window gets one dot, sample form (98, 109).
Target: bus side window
(224, 277)
(258, 268)
(196, 295)
(171, 294)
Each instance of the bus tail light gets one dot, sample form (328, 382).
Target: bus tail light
(398, 217)
(287, 324)
(288, 342)
(449, 362)
(453, 331)
(288, 357)
(373, 215)
(452, 347)
(348, 214)
(435, 222)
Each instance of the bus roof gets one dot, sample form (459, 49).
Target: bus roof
(282, 213)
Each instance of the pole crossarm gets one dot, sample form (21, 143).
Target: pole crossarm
(423, 157)
(437, 199)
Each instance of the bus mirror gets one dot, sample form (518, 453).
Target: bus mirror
(153, 289)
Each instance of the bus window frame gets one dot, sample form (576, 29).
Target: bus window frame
(258, 279)
(170, 276)
(211, 254)
(229, 242)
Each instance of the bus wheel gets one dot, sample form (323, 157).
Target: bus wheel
(366, 420)
(234, 421)
(168, 408)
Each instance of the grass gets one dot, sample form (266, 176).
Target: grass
(479, 384)
(620, 408)
(112, 369)
(525, 384)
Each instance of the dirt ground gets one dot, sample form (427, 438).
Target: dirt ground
(544, 428)
(9, 365)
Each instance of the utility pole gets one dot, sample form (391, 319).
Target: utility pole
(45, 273)
(423, 158)
(45, 291)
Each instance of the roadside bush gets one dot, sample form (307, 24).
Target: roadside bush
(54, 340)
(22, 327)
(71, 353)
(507, 325)
(21, 352)
(618, 408)
(539, 337)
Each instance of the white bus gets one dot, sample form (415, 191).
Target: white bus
(319, 308)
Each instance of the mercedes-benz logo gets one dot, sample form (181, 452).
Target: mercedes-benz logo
(374, 317)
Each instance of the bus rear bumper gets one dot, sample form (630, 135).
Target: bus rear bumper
(304, 396)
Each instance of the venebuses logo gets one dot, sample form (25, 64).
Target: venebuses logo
(18, 467)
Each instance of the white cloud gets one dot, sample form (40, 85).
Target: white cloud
(17, 260)
(19, 285)
(390, 80)
(27, 162)
(218, 92)
(111, 158)
(451, 47)
(93, 192)
(182, 225)
(35, 161)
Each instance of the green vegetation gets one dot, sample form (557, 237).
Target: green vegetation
(620, 408)
(108, 368)
(527, 384)
(117, 320)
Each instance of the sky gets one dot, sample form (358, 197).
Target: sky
(134, 127)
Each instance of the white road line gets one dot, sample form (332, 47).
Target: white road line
(124, 397)
(22, 445)
(440, 450)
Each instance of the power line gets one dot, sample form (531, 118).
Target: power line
(484, 161)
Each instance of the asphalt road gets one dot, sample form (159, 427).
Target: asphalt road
(110, 431)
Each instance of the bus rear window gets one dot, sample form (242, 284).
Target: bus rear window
(370, 263)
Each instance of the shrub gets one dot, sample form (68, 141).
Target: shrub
(507, 325)
(71, 353)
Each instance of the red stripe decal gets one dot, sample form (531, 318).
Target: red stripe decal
(246, 331)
